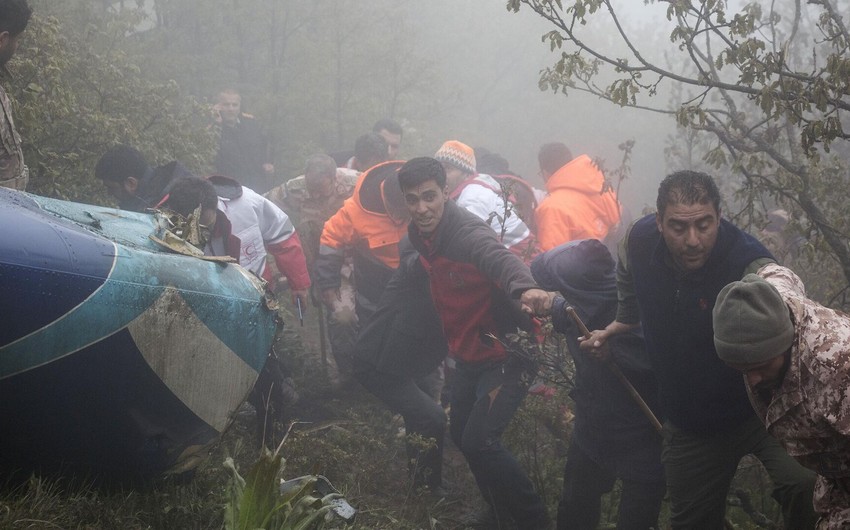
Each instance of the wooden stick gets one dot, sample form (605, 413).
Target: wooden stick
(618, 373)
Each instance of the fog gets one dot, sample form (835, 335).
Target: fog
(319, 73)
(491, 58)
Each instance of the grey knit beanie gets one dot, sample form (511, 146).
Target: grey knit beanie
(752, 324)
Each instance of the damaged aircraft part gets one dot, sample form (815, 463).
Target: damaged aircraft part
(117, 357)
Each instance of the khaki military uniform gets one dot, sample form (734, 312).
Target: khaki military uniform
(13, 173)
(810, 412)
(309, 216)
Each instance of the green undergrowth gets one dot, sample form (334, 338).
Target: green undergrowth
(347, 436)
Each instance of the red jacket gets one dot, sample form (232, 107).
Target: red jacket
(473, 281)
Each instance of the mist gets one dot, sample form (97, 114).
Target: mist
(491, 61)
(318, 74)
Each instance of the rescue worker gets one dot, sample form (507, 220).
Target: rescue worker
(612, 438)
(310, 200)
(478, 287)
(389, 131)
(243, 151)
(580, 205)
(136, 185)
(795, 356)
(671, 267)
(395, 358)
(241, 222)
(483, 196)
(368, 227)
(369, 150)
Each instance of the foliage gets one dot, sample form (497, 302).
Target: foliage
(356, 444)
(91, 74)
(76, 94)
(767, 84)
(255, 501)
(307, 69)
(538, 436)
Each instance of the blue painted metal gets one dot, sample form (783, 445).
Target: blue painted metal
(73, 277)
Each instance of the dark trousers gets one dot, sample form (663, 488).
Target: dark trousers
(484, 398)
(272, 394)
(700, 469)
(586, 480)
(422, 415)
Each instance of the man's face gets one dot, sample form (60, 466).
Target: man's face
(426, 203)
(229, 106)
(454, 176)
(764, 376)
(320, 187)
(690, 232)
(122, 190)
(8, 46)
(393, 143)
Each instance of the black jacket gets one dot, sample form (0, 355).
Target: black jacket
(404, 336)
(608, 420)
(154, 187)
(242, 152)
(699, 393)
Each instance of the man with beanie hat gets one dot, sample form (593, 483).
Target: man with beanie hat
(671, 267)
(483, 196)
(795, 356)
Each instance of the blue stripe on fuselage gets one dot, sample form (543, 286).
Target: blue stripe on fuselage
(46, 268)
(57, 298)
(221, 298)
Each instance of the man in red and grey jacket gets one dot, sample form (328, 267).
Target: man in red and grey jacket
(481, 291)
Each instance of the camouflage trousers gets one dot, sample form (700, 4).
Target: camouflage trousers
(17, 183)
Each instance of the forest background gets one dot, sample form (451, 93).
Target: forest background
(754, 93)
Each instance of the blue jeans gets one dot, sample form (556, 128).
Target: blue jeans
(484, 398)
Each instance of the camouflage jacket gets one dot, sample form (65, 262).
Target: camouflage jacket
(13, 172)
(309, 214)
(810, 412)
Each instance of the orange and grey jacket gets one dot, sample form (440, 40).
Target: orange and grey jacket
(364, 229)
